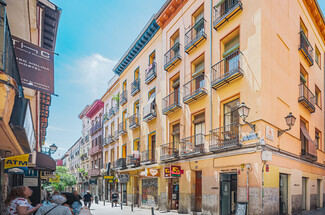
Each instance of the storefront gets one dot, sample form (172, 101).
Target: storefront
(149, 187)
(172, 174)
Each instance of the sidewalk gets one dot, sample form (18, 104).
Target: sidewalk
(100, 209)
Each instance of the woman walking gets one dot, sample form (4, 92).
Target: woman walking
(72, 202)
(18, 202)
(56, 208)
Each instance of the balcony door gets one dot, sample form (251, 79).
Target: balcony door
(152, 147)
(199, 128)
(231, 120)
(112, 129)
(124, 152)
(175, 87)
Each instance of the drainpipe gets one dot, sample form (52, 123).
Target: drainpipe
(247, 186)
(263, 188)
(211, 97)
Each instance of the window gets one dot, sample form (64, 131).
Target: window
(199, 14)
(100, 140)
(112, 155)
(136, 107)
(124, 115)
(136, 73)
(124, 152)
(124, 85)
(318, 97)
(303, 75)
(230, 112)
(230, 44)
(198, 66)
(96, 166)
(112, 128)
(152, 93)
(174, 39)
(175, 135)
(318, 139)
(136, 146)
(152, 145)
(318, 57)
(303, 28)
(303, 137)
(199, 123)
(152, 58)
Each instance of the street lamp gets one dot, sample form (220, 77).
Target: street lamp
(290, 120)
(243, 112)
(53, 148)
(49, 150)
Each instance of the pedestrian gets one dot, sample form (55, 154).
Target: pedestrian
(115, 198)
(76, 194)
(17, 201)
(88, 198)
(56, 208)
(72, 202)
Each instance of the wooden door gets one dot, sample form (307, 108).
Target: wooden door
(198, 190)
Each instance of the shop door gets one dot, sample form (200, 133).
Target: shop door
(228, 193)
(198, 190)
(124, 195)
(283, 193)
(136, 191)
(304, 193)
(173, 193)
(318, 193)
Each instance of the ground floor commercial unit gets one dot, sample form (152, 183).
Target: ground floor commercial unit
(217, 183)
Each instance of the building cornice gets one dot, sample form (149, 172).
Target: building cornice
(168, 11)
(317, 16)
(94, 108)
(82, 114)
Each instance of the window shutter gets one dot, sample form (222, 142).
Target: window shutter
(231, 46)
(199, 68)
(199, 118)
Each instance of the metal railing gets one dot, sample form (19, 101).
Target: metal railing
(227, 67)
(95, 128)
(148, 156)
(151, 73)
(123, 97)
(307, 156)
(194, 88)
(120, 163)
(224, 137)
(169, 151)
(135, 86)
(171, 101)
(109, 139)
(306, 97)
(193, 145)
(132, 161)
(95, 150)
(94, 172)
(111, 112)
(171, 55)
(306, 47)
(122, 127)
(222, 9)
(195, 33)
(134, 120)
(149, 112)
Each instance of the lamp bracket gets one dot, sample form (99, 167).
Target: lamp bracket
(252, 126)
(280, 132)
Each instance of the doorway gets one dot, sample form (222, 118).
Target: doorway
(283, 193)
(304, 193)
(228, 193)
(198, 191)
(124, 195)
(173, 193)
(319, 193)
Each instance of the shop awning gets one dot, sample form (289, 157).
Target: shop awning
(311, 144)
(42, 162)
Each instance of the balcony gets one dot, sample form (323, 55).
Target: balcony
(193, 146)
(108, 140)
(306, 49)
(121, 163)
(116, 135)
(134, 121)
(307, 156)
(148, 157)
(225, 138)
(195, 35)
(172, 57)
(171, 103)
(123, 97)
(95, 128)
(94, 150)
(306, 98)
(94, 172)
(194, 89)
(122, 128)
(105, 118)
(151, 73)
(135, 87)
(111, 112)
(224, 11)
(169, 151)
(131, 161)
(149, 111)
(228, 69)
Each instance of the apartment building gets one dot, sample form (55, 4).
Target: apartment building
(221, 106)
(74, 160)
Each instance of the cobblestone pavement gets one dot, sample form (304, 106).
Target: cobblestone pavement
(320, 211)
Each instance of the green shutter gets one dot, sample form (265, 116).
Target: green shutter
(199, 68)
(219, 3)
(231, 46)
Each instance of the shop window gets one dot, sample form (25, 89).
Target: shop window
(318, 57)
(230, 44)
(152, 58)
(318, 97)
(318, 139)
(231, 115)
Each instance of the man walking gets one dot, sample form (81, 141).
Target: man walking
(88, 198)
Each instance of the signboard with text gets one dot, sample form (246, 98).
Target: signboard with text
(167, 172)
(175, 171)
(35, 64)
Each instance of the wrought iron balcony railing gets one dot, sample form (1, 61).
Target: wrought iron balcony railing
(149, 111)
(171, 102)
(123, 97)
(122, 128)
(151, 73)
(193, 145)
(307, 156)
(94, 150)
(169, 151)
(94, 172)
(306, 48)
(195, 35)
(228, 69)
(134, 121)
(172, 56)
(224, 10)
(95, 128)
(111, 112)
(224, 138)
(108, 140)
(116, 135)
(148, 156)
(194, 89)
(131, 161)
(121, 163)
(306, 98)
(135, 87)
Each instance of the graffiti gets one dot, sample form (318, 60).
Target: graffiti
(149, 191)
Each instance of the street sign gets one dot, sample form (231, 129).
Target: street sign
(55, 180)
(108, 177)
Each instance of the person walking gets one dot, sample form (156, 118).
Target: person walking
(17, 201)
(56, 208)
(88, 198)
(76, 194)
(115, 198)
(72, 202)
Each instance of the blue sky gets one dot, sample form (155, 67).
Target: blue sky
(92, 37)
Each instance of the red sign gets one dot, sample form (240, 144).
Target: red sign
(35, 65)
(267, 168)
(175, 171)
(167, 172)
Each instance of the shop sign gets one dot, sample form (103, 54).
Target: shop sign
(55, 179)
(20, 161)
(269, 133)
(47, 174)
(31, 173)
(149, 172)
(110, 177)
(167, 172)
(175, 171)
(124, 178)
(31, 182)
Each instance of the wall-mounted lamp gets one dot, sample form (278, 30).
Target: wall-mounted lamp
(243, 112)
(290, 120)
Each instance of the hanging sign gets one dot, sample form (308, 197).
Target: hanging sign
(55, 179)
(167, 172)
(124, 178)
(20, 161)
(175, 171)
(109, 177)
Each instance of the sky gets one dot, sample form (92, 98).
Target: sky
(92, 37)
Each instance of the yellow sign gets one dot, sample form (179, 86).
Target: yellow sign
(16, 161)
(108, 177)
(55, 179)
